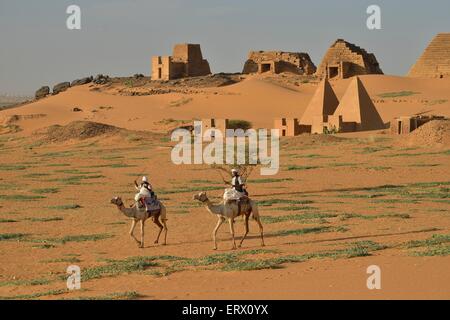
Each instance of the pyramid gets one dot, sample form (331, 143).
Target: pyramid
(323, 103)
(356, 106)
(347, 60)
(435, 61)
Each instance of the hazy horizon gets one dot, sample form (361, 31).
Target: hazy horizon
(118, 38)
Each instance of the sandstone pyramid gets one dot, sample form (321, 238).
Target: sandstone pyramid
(323, 103)
(435, 61)
(344, 60)
(356, 106)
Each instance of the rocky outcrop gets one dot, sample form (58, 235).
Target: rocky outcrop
(101, 79)
(61, 87)
(42, 92)
(82, 81)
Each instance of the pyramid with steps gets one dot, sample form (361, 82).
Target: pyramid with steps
(356, 106)
(435, 61)
(359, 61)
(323, 103)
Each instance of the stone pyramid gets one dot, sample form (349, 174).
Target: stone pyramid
(356, 106)
(435, 61)
(323, 103)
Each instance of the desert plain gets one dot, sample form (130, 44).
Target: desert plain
(339, 204)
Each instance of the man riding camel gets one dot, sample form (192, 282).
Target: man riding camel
(145, 193)
(236, 182)
(238, 186)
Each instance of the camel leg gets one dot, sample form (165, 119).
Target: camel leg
(219, 223)
(142, 233)
(133, 225)
(165, 232)
(246, 230)
(159, 225)
(231, 222)
(258, 220)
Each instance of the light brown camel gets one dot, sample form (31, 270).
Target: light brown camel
(158, 217)
(229, 211)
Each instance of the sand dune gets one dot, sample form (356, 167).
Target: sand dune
(254, 99)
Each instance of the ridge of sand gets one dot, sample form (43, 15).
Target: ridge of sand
(252, 99)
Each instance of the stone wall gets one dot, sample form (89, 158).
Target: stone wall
(186, 61)
(278, 62)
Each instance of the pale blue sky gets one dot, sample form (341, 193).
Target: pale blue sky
(118, 37)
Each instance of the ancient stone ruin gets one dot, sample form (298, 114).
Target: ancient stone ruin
(278, 62)
(435, 61)
(322, 105)
(356, 111)
(407, 124)
(288, 127)
(345, 60)
(186, 61)
(325, 114)
(214, 124)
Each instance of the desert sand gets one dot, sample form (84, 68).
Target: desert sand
(339, 204)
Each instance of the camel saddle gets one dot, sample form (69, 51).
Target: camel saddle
(243, 200)
(152, 205)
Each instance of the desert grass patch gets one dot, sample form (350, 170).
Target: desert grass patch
(35, 175)
(76, 180)
(7, 220)
(371, 150)
(190, 189)
(62, 260)
(12, 167)
(356, 249)
(271, 202)
(20, 197)
(397, 94)
(111, 165)
(21, 283)
(303, 231)
(49, 219)
(118, 267)
(35, 295)
(347, 216)
(12, 236)
(297, 217)
(437, 245)
(45, 190)
(65, 207)
(72, 238)
(301, 168)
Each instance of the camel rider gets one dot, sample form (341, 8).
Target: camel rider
(236, 182)
(145, 192)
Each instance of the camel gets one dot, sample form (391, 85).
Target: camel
(158, 217)
(229, 211)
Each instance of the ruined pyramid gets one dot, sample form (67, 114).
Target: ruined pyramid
(356, 106)
(323, 103)
(435, 61)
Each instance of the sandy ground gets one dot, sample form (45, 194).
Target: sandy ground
(336, 207)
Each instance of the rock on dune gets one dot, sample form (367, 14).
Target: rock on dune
(60, 87)
(82, 81)
(42, 92)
